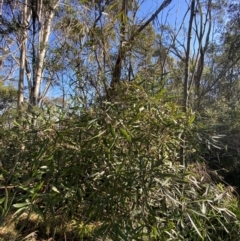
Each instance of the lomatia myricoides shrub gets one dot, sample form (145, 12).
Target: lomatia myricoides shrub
(116, 165)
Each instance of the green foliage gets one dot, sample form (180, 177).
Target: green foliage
(115, 171)
(223, 155)
(8, 95)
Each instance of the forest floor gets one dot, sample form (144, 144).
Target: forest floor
(33, 228)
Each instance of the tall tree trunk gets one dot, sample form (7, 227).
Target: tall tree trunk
(187, 58)
(44, 23)
(186, 80)
(121, 51)
(116, 75)
(23, 40)
(202, 47)
(21, 73)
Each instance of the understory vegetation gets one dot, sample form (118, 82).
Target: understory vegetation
(119, 120)
(112, 172)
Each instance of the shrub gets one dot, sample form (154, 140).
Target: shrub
(116, 165)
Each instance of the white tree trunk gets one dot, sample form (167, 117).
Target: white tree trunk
(44, 18)
(23, 40)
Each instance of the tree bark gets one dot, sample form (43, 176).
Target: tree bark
(23, 40)
(186, 81)
(121, 51)
(116, 75)
(202, 48)
(187, 58)
(44, 34)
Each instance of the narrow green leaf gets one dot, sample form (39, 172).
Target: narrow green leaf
(223, 225)
(101, 133)
(125, 134)
(174, 200)
(154, 232)
(91, 122)
(113, 133)
(20, 205)
(6, 199)
(20, 211)
(191, 119)
(2, 200)
(195, 212)
(194, 225)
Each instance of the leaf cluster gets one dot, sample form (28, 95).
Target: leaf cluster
(115, 166)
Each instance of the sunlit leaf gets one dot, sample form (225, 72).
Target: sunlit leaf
(20, 205)
(195, 227)
(55, 189)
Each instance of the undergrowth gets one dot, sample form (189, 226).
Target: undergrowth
(112, 172)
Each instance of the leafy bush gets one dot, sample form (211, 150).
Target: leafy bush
(222, 121)
(116, 166)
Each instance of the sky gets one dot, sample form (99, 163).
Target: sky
(176, 13)
(172, 14)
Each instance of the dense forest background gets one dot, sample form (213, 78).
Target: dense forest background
(119, 120)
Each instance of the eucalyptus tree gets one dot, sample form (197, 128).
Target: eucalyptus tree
(126, 43)
(29, 23)
(8, 96)
(228, 56)
(189, 43)
(102, 43)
